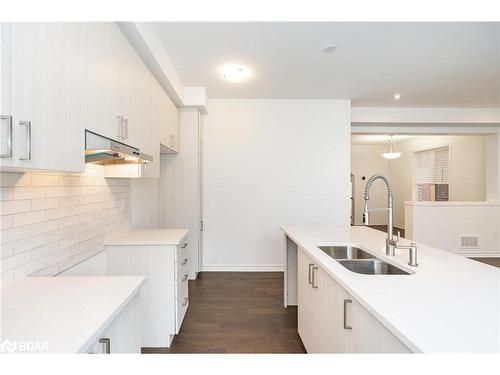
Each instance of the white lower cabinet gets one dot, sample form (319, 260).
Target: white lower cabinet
(165, 295)
(123, 334)
(332, 321)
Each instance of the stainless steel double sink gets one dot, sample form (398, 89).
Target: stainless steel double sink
(360, 261)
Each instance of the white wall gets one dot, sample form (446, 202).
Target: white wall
(268, 163)
(492, 167)
(450, 220)
(145, 198)
(365, 162)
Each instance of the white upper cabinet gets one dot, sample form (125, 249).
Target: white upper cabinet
(169, 129)
(5, 93)
(45, 133)
(58, 79)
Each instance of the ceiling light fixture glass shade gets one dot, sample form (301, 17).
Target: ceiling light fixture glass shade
(235, 72)
(391, 152)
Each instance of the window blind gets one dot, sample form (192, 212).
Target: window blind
(432, 166)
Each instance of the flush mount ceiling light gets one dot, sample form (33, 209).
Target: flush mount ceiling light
(235, 72)
(329, 48)
(397, 96)
(391, 152)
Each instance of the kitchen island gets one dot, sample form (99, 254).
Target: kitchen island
(447, 304)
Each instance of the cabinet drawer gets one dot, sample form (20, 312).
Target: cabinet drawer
(182, 249)
(181, 289)
(182, 267)
(182, 306)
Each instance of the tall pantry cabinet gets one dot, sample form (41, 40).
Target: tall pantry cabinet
(180, 186)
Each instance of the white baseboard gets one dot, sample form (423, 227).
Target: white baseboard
(478, 254)
(243, 268)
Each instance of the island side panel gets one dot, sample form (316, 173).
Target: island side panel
(290, 287)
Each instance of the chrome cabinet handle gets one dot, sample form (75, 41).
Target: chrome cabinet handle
(185, 277)
(107, 344)
(184, 245)
(346, 301)
(120, 126)
(27, 156)
(125, 123)
(8, 153)
(309, 278)
(172, 140)
(184, 261)
(314, 278)
(185, 301)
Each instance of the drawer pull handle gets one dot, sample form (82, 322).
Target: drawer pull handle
(185, 301)
(184, 261)
(107, 345)
(346, 301)
(313, 278)
(185, 277)
(184, 245)
(309, 279)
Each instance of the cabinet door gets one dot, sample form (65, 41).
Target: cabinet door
(123, 335)
(102, 53)
(5, 96)
(304, 310)
(333, 333)
(41, 97)
(309, 303)
(368, 335)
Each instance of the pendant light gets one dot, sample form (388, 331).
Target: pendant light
(391, 152)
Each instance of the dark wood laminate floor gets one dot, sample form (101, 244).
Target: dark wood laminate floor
(236, 312)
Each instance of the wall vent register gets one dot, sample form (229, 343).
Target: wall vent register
(469, 242)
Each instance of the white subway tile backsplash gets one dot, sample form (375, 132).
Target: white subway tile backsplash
(44, 227)
(29, 243)
(7, 250)
(14, 207)
(69, 181)
(52, 221)
(16, 260)
(29, 218)
(6, 193)
(14, 234)
(44, 203)
(6, 221)
(29, 192)
(43, 251)
(58, 191)
(15, 179)
(44, 180)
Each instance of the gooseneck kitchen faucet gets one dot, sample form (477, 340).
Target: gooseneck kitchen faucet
(390, 244)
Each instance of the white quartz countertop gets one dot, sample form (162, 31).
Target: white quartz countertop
(63, 314)
(149, 237)
(450, 303)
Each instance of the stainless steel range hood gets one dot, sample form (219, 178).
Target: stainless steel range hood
(106, 151)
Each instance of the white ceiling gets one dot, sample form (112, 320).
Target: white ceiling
(378, 139)
(430, 64)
